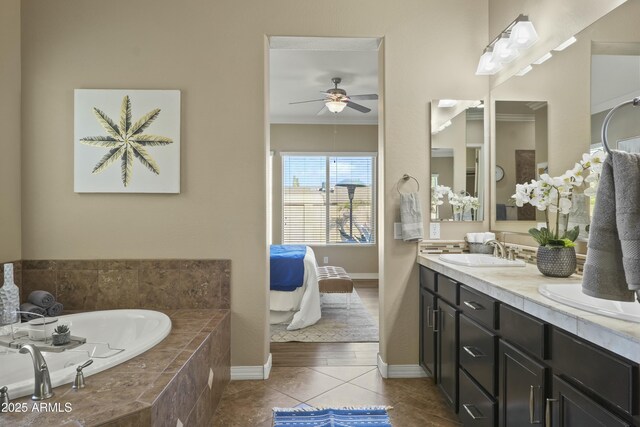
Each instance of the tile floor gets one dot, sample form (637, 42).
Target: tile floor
(416, 402)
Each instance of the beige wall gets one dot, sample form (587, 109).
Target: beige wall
(511, 136)
(214, 53)
(10, 198)
(324, 138)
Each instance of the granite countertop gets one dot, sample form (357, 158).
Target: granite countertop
(130, 386)
(518, 287)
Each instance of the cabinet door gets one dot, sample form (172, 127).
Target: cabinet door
(522, 390)
(447, 352)
(427, 334)
(570, 408)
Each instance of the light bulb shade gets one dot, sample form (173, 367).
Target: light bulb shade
(523, 35)
(487, 66)
(503, 51)
(335, 106)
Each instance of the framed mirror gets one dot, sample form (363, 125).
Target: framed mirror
(521, 138)
(457, 160)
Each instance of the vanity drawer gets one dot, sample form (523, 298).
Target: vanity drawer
(427, 278)
(478, 353)
(479, 307)
(448, 290)
(610, 377)
(524, 331)
(476, 407)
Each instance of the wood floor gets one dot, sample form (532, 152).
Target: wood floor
(333, 354)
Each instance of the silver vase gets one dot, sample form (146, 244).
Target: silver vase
(556, 262)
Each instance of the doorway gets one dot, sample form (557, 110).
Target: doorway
(323, 122)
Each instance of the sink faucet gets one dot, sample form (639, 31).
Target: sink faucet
(498, 245)
(42, 382)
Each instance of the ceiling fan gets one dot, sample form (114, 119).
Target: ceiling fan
(336, 99)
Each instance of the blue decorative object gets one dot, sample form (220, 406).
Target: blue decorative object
(372, 416)
(287, 267)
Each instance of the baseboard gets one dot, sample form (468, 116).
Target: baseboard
(258, 372)
(364, 276)
(400, 371)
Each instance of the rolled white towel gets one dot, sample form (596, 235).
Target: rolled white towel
(488, 236)
(473, 237)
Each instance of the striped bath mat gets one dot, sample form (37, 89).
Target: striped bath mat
(370, 416)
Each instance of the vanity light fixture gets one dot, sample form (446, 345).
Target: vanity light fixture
(520, 34)
(543, 58)
(524, 71)
(566, 44)
(447, 103)
(335, 106)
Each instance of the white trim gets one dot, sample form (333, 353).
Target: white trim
(363, 276)
(400, 371)
(331, 153)
(260, 372)
(506, 117)
(267, 367)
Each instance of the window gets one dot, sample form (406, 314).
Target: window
(341, 212)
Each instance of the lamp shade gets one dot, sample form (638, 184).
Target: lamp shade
(487, 65)
(503, 51)
(523, 35)
(335, 106)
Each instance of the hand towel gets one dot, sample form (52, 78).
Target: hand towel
(31, 308)
(55, 310)
(612, 267)
(411, 217)
(488, 236)
(42, 298)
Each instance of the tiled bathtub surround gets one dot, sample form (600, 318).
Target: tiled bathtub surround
(110, 284)
(168, 383)
(523, 252)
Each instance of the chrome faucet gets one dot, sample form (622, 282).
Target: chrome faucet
(42, 381)
(498, 246)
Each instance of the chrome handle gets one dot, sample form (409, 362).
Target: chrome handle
(436, 327)
(473, 351)
(532, 405)
(473, 305)
(473, 412)
(84, 365)
(429, 320)
(547, 412)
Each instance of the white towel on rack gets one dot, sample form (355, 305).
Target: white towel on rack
(411, 217)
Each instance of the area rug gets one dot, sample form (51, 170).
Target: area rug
(371, 416)
(337, 324)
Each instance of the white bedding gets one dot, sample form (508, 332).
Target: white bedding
(301, 306)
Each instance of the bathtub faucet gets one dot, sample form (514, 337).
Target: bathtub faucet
(42, 381)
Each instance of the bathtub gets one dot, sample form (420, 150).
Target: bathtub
(128, 333)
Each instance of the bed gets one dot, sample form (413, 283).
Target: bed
(294, 294)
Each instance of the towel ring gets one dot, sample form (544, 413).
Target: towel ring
(405, 178)
(605, 124)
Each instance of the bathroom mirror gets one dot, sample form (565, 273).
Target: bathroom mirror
(521, 154)
(457, 160)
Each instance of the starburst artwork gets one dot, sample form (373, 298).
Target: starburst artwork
(124, 128)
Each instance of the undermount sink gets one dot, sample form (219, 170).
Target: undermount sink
(571, 295)
(480, 260)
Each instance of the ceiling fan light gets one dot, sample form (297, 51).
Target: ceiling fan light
(523, 34)
(487, 66)
(335, 106)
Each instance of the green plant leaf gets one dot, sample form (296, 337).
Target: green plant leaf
(125, 115)
(572, 234)
(151, 140)
(144, 157)
(101, 141)
(107, 123)
(113, 155)
(127, 165)
(144, 122)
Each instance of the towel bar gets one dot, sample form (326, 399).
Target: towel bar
(406, 177)
(605, 124)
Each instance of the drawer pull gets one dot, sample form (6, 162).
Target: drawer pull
(436, 320)
(532, 405)
(473, 411)
(473, 305)
(429, 319)
(473, 351)
(547, 412)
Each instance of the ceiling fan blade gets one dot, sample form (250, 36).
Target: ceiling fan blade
(322, 111)
(366, 97)
(358, 107)
(304, 102)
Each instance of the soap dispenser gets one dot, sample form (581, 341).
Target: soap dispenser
(9, 298)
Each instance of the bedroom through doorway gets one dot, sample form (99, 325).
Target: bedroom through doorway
(323, 168)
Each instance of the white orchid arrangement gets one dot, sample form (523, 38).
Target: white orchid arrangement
(462, 201)
(555, 194)
(437, 195)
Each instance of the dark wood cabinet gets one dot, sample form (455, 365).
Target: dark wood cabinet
(522, 388)
(427, 333)
(446, 324)
(571, 408)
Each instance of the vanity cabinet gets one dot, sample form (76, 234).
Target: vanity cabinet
(499, 366)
